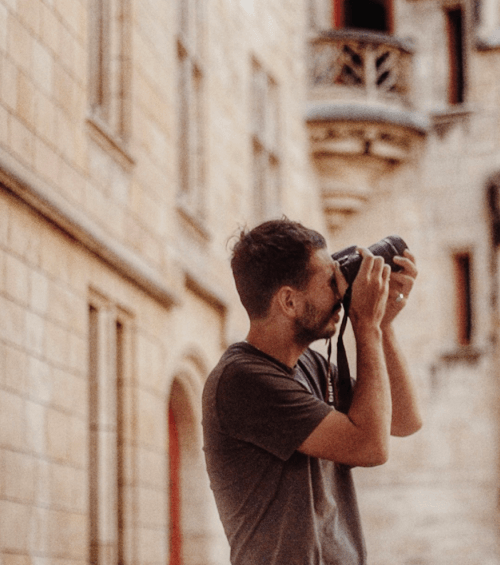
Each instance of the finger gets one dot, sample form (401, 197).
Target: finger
(379, 266)
(364, 251)
(407, 253)
(366, 263)
(386, 274)
(409, 267)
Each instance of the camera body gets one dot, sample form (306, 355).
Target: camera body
(350, 260)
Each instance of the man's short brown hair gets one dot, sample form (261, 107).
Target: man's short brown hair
(273, 254)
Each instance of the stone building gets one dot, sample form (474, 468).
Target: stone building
(136, 136)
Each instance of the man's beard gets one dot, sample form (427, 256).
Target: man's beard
(311, 326)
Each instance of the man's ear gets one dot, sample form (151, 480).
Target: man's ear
(287, 299)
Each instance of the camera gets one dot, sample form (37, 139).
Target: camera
(350, 260)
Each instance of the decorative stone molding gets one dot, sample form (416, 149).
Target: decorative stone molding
(360, 123)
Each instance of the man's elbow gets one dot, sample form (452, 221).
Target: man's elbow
(374, 454)
(407, 428)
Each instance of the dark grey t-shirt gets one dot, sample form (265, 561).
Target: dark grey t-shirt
(278, 506)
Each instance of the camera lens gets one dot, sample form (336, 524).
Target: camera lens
(350, 260)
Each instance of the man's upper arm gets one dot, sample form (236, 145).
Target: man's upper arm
(271, 411)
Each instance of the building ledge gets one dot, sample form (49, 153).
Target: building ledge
(336, 112)
(490, 42)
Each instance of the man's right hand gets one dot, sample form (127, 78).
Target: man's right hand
(369, 292)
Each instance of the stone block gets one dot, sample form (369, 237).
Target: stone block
(67, 534)
(4, 16)
(19, 477)
(22, 141)
(57, 344)
(151, 507)
(20, 44)
(54, 255)
(38, 292)
(4, 122)
(63, 486)
(16, 279)
(66, 50)
(35, 333)
(45, 125)
(28, 12)
(38, 536)
(12, 420)
(36, 428)
(24, 235)
(78, 433)
(63, 89)
(42, 488)
(151, 467)
(25, 103)
(8, 87)
(41, 383)
(70, 392)
(58, 435)
(78, 354)
(15, 526)
(15, 364)
(150, 365)
(12, 322)
(49, 27)
(152, 545)
(149, 432)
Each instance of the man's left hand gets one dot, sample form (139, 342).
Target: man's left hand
(400, 286)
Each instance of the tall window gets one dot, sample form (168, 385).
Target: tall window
(463, 297)
(455, 33)
(107, 362)
(265, 142)
(110, 66)
(191, 108)
(373, 15)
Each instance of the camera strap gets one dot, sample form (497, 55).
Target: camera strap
(342, 385)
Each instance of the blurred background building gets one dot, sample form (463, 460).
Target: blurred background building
(136, 136)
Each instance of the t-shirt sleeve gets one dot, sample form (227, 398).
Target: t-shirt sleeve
(270, 410)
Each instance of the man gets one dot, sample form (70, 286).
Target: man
(278, 455)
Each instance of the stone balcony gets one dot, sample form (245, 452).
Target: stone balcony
(359, 115)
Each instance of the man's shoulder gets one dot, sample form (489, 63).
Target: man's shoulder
(241, 365)
(243, 357)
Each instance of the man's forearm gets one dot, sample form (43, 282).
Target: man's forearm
(371, 409)
(406, 416)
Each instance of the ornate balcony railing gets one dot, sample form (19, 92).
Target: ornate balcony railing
(371, 66)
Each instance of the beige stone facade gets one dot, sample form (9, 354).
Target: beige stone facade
(136, 136)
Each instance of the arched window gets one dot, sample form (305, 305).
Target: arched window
(186, 481)
(371, 15)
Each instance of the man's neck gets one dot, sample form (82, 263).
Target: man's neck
(277, 344)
